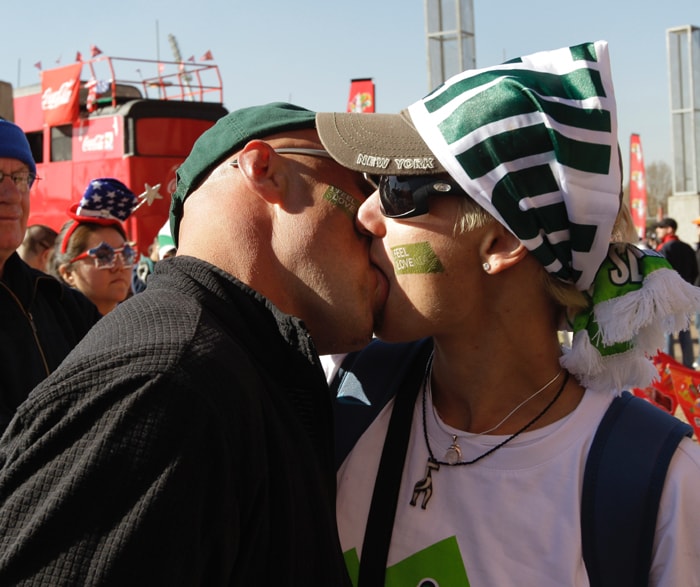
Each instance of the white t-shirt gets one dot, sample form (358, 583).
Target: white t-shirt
(513, 518)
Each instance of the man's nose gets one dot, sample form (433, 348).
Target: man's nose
(369, 219)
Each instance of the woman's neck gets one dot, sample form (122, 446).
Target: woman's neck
(476, 391)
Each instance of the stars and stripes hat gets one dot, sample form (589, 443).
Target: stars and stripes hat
(534, 142)
(106, 201)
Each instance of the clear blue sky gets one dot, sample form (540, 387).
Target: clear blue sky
(306, 51)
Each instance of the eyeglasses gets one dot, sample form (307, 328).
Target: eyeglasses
(295, 151)
(22, 179)
(372, 180)
(406, 196)
(105, 257)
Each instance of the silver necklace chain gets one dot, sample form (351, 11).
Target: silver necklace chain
(455, 447)
(424, 486)
(515, 409)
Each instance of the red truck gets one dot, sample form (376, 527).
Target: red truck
(134, 120)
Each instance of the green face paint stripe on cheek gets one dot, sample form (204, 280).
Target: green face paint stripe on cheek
(342, 200)
(416, 258)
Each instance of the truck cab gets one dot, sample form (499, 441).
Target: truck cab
(134, 120)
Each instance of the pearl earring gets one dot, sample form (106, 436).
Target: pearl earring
(486, 266)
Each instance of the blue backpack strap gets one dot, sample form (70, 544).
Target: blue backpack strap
(365, 383)
(623, 480)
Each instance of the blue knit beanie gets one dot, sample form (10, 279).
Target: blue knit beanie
(14, 144)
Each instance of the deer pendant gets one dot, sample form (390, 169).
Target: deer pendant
(425, 485)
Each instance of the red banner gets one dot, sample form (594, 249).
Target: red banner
(638, 187)
(361, 95)
(60, 91)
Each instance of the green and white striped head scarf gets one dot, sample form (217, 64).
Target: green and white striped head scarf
(534, 142)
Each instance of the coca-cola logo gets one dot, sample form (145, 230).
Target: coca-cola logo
(99, 142)
(50, 99)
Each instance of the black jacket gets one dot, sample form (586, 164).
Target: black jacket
(41, 320)
(186, 441)
(681, 257)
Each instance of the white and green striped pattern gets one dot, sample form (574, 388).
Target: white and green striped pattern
(534, 141)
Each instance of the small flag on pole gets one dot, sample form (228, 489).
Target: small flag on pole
(78, 56)
(38, 65)
(95, 50)
(207, 56)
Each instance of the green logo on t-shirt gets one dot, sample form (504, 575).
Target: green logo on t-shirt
(439, 565)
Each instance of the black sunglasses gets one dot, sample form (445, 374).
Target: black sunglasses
(404, 196)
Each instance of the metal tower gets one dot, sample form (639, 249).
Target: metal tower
(683, 49)
(683, 44)
(450, 38)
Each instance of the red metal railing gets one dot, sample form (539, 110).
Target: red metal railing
(169, 80)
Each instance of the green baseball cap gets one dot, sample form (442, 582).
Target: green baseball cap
(229, 134)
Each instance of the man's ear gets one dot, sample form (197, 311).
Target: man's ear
(44, 258)
(257, 163)
(500, 249)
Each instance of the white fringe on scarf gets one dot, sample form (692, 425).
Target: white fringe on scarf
(665, 304)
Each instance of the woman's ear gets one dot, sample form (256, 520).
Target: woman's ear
(66, 274)
(500, 249)
(258, 166)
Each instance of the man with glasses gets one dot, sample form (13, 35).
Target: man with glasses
(188, 439)
(40, 319)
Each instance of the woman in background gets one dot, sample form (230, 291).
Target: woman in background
(92, 253)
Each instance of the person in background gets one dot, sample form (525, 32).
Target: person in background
(495, 223)
(92, 253)
(37, 246)
(682, 258)
(188, 439)
(166, 243)
(41, 320)
(162, 247)
(696, 222)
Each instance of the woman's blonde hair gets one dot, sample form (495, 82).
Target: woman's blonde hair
(565, 295)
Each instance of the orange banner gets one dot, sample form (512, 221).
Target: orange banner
(660, 392)
(361, 95)
(60, 92)
(638, 187)
(686, 384)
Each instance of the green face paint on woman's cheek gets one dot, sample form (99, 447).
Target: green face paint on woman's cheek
(342, 200)
(415, 258)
